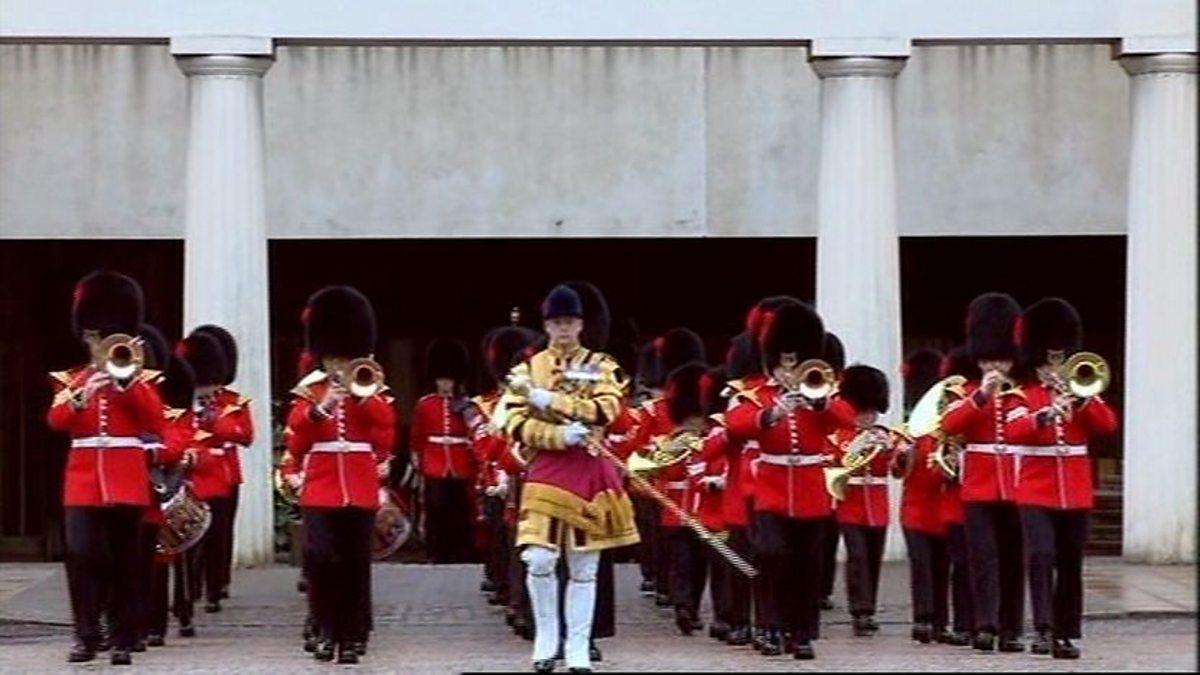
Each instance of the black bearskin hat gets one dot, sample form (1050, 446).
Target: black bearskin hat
(991, 318)
(833, 353)
(622, 345)
(596, 318)
(682, 391)
(204, 354)
(504, 347)
(562, 301)
(448, 359)
(228, 346)
(108, 303)
(742, 359)
(958, 362)
(711, 386)
(758, 313)
(791, 329)
(677, 347)
(921, 370)
(178, 385)
(1049, 325)
(647, 367)
(339, 322)
(156, 347)
(865, 388)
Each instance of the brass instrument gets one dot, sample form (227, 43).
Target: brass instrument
(363, 377)
(813, 379)
(1085, 374)
(120, 355)
(863, 450)
(284, 489)
(926, 418)
(665, 453)
(185, 520)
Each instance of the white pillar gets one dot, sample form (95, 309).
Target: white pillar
(225, 256)
(1160, 332)
(858, 249)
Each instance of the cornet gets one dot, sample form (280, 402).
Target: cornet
(119, 355)
(363, 377)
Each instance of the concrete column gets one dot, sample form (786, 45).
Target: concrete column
(1160, 344)
(225, 256)
(858, 249)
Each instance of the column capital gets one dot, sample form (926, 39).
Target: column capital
(856, 66)
(1151, 64)
(228, 65)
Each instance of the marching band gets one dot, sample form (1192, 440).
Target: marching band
(735, 479)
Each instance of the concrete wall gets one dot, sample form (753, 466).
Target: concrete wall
(564, 141)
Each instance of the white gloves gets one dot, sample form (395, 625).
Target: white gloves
(575, 432)
(713, 483)
(541, 398)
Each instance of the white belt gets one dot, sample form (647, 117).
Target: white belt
(341, 446)
(867, 480)
(750, 445)
(676, 485)
(1049, 450)
(450, 440)
(988, 448)
(793, 460)
(617, 438)
(99, 442)
(216, 452)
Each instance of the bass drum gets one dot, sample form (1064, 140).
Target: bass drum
(185, 520)
(393, 526)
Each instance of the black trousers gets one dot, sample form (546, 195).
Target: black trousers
(183, 568)
(995, 551)
(864, 556)
(1054, 544)
(829, 557)
(662, 559)
(102, 559)
(789, 551)
(495, 566)
(736, 586)
(337, 559)
(960, 579)
(689, 567)
(227, 546)
(646, 513)
(213, 571)
(449, 532)
(929, 577)
(144, 586)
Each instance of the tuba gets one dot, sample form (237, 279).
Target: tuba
(362, 376)
(120, 355)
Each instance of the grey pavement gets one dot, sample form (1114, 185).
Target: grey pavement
(434, 619)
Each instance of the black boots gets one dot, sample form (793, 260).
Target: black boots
(324, 650)
(346, 653)
(984, 641)
(738, 636)
(718, 630)
(804, 651)
(683, 620)
(772, 642)
(1010, 643)
(81, 653)
(121, 657)
(952, 638)
(922, 632)
(1042, 644)
(1063, 649)
(862, 628)
(543, 666)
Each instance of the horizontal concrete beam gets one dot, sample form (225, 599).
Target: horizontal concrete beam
(1171, 22)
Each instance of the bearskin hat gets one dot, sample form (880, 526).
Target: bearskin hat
(758, 313)
(622, 345)
(833, 353)
(921, 370)
(339, 321)
(156, 347)
(682, 391)
(677, 347)
(178, 385)
(742, 358)
(596, 317)
(791, 329)
(228, 346)
(958, 362)
(108, 303)
(562, 301)
(204, 354)
(865, 388)
(446, 358)
(504, 347)
(648, 370)
(711, 386)
(1049, 325)
(991, 318)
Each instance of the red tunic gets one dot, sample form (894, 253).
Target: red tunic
(234, 428)
(708, 498)
(921, 498)
(340, 454)
(987, 464)
(106, 465)
(440, 440)
(1053, 466)
(789, 479)
(673, 482)
(866, 492)
(167, 452)
(726, 452)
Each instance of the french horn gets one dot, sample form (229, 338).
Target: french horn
(863, 450)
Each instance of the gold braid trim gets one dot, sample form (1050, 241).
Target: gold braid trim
(607, 521)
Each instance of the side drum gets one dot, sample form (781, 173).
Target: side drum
(185, 520)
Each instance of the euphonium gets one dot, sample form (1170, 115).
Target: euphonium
(363, 377)
(1085, 374)
(120, 355)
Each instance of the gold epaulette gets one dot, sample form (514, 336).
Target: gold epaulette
(717, 419)
(172, 414)
(150, 376)
(302, 388)
(749, 394)
(201, 435)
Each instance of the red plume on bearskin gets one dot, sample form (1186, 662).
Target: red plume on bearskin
(204, 354)
(682, 392)
(792, 329)
(677, 347)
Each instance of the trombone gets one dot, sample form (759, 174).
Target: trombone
(1083, 375)
(812, 380)
(363, 377)
(121, 356)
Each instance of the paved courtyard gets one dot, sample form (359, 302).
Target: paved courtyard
(434, 619)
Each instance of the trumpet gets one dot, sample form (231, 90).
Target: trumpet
(813, 380)
(362, 376)
(121, 356)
